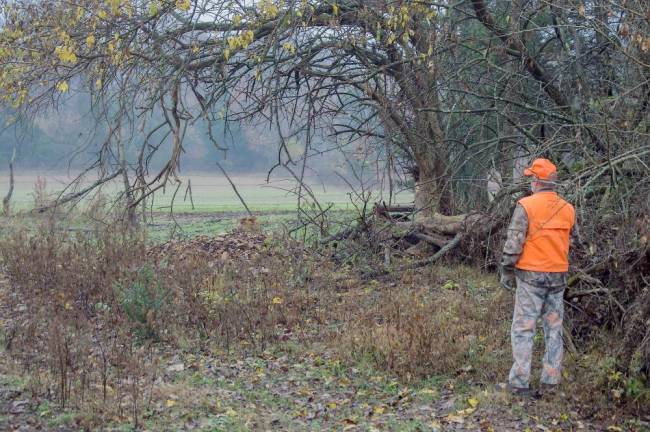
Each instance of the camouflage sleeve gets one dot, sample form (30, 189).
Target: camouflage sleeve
(515, 239)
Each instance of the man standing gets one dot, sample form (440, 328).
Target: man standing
(535, 255)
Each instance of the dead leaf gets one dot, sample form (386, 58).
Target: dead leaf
(178, 367)
(466, 411)
(451, 418)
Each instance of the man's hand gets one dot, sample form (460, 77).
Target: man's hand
(508, 280)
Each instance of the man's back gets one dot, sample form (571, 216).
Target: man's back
(550, 220)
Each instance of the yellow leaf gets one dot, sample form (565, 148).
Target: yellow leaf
(170, 403)
(153, 8)
(379, 410)
(581, 10)
(98, 83)
(331, 405)
(62, 86)
(614, 428)
(65, 54)
(101, 14)
(236, 20)
(472, 402)
(288, 46)
(90, 41)
(335, 9)
(466, 411)
(115, 6)
(183, 5)
(276, 300)
(226, 54)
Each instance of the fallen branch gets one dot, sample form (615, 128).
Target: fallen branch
(346, 233)
(442, 252)
(433, 239)
(73, 196)
(421, 263)
(234, 188)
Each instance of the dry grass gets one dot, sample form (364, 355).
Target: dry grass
(433, 327)
(90, 313)
(90, 316)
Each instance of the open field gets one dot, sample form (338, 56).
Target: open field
(212, 209)
(209, 192)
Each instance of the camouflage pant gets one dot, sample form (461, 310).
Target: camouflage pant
(530, 303)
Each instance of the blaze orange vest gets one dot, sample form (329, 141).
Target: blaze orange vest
(550, 220)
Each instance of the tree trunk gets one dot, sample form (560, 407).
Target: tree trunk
(7, 199)
(128, 192)
(427, 192)
(430, 175)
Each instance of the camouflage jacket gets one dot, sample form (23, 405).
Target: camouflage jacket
(514, 245)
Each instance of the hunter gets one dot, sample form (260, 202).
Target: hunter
(536, 260)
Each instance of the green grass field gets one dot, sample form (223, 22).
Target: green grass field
(212, 209)
(209, 192)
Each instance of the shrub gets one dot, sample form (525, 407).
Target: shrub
(142, 300)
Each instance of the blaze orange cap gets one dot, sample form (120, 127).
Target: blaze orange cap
(541, 168)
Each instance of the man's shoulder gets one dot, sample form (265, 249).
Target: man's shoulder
(542, 197)
(527, 200)
(566, 204)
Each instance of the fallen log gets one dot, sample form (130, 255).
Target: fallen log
(397, 212)
(434, 239)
